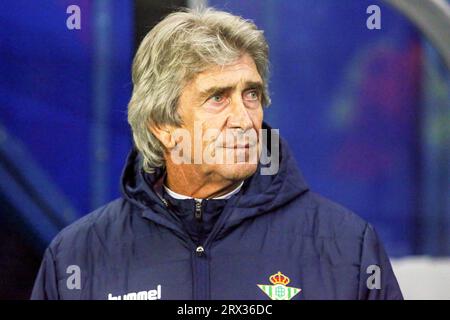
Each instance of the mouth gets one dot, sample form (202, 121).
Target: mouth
(240, 146)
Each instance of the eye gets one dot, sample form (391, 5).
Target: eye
(218, 98)
(251, 95)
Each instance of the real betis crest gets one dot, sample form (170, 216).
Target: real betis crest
(279, 290)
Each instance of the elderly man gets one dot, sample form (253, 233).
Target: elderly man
(199, 217)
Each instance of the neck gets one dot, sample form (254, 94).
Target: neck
(188, 182)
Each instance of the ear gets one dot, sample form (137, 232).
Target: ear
(164, 134)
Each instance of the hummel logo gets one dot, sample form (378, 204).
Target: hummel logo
(141, 295)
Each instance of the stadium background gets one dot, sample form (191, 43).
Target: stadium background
(366, 113)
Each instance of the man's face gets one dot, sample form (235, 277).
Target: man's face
(223, 105)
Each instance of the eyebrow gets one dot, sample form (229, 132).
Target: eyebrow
(212, 90)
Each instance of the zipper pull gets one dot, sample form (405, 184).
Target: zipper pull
(198, 210)
(199, 251)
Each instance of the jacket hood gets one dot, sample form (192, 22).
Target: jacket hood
(260, 194)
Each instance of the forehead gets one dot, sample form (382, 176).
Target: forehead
(240, 71)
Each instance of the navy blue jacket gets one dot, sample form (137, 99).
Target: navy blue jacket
(275, 239)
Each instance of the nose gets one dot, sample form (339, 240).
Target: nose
(239, 117)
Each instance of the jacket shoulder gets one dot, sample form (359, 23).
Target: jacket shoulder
(328, 219)
(93, 228)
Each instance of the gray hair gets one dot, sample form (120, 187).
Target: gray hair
(182, 45)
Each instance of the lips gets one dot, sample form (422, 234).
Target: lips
(231, 142)
(242, 146)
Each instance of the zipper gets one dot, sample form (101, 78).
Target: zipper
(200, 256)
(200, 263)
(200, 259)
(200, 274)
(198, 210)
(165, 202)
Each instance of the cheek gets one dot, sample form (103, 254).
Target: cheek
(256, 116)
(212, 126)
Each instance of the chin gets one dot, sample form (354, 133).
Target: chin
(236, 172)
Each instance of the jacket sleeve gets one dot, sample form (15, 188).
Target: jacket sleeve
(46, 285)
(377, 280)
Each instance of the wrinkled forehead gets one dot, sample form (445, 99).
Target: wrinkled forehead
(239, 72)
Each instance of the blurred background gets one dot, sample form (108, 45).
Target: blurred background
(365, 110)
